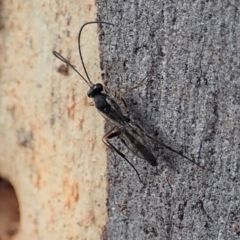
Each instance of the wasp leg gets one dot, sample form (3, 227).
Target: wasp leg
(119, 96)
(130, 89)
(117, 91)
(112, 134)
(91, 104)
(125, 105)
(105, 137)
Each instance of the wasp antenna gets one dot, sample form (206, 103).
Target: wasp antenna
(60, 57)
(63, 59)
(79, 45)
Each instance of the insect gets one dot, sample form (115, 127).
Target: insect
(130, 134)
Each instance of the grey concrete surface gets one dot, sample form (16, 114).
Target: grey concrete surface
(190, 53)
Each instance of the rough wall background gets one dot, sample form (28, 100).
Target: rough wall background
(51, 148)
(190, 52)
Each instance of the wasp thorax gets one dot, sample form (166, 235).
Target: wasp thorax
(94, 90)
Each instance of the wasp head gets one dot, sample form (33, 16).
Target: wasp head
(95, 90)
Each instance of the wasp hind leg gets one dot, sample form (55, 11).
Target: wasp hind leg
(110, 135)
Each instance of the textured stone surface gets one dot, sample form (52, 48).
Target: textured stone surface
(190, 52)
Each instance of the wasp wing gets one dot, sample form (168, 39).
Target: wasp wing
(134, 140)
(157, 141)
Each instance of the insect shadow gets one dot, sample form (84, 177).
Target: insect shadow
(131, 134)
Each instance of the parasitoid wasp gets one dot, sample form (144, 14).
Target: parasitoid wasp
(132, 135)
